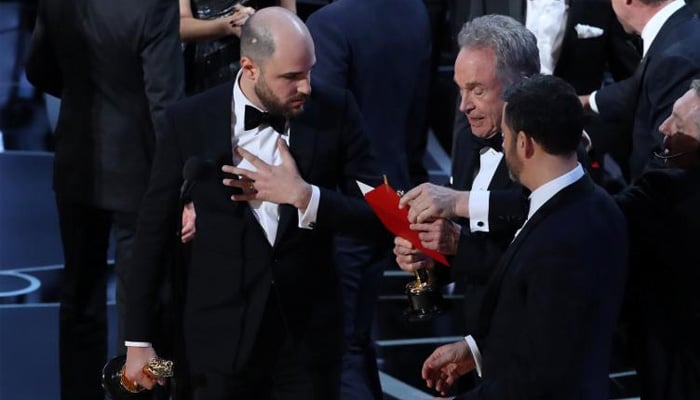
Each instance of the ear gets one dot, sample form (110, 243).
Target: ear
(526, 143)
(249, 69)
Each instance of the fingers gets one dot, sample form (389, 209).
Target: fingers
(284, 150)
(285, 154)
(408, 258)
(409, 196)
(251, 158)
(399, 241)
(187, 233)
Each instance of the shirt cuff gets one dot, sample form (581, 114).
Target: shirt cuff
(476, 354)
(137, 344)
(307, 219)
(479, 210)
(592, 103)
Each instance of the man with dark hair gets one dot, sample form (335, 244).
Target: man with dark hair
(546, 326)
(262, 315)
(670, 33)
(115, 66)
(662, 300)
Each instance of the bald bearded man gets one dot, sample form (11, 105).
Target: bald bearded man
(262, 318)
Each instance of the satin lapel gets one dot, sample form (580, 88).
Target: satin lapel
(566, 195)
(302, 143)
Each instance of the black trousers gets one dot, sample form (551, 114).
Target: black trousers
(85, 234)
(275, 370)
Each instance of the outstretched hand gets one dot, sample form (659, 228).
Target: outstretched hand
(447, 363)
(280, 184)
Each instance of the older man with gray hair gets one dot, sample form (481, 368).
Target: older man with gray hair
(468, 221)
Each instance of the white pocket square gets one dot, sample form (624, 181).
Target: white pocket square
(584, 31)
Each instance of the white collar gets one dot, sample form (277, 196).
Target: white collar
(545, 192)
(654, 25)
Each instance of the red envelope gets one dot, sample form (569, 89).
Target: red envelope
(385, 202)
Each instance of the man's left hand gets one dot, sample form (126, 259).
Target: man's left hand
(280, 184)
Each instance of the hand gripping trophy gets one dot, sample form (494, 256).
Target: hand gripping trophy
(118, 387)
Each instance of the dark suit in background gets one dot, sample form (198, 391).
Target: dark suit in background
(646, 99)
(380, 51)
(115, 66)
(551, 308)
(663, 305)
(243, 295)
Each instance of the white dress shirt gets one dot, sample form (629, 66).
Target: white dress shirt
(479, 194)
(547, 20)
(262, 141)
(538, 198)
(649, 33)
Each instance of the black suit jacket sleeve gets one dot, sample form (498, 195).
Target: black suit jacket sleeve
(156, 235)
(164, 82)
(343, 209)
(42, 65)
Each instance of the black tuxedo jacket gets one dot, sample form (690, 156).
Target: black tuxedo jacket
(478, 253)
(546, 328)
(115, 66)
(662, 310)
(646, 99)
(233, 266)
(389, 77)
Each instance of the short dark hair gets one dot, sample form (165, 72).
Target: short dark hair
(257, 42)
(547, 109)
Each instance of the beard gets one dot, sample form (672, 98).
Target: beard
(515, 166)
(273, 104)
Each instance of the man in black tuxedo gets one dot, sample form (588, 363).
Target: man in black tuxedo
(392, 96)
(262, 309)
(546, 325)
(662, 300)
(670, 33)
(115, 66)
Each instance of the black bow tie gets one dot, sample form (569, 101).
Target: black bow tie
(495, 142)
(254, 118)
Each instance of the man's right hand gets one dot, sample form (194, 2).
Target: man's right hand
(136, 359)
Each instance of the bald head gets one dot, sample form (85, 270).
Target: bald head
(272, 28)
